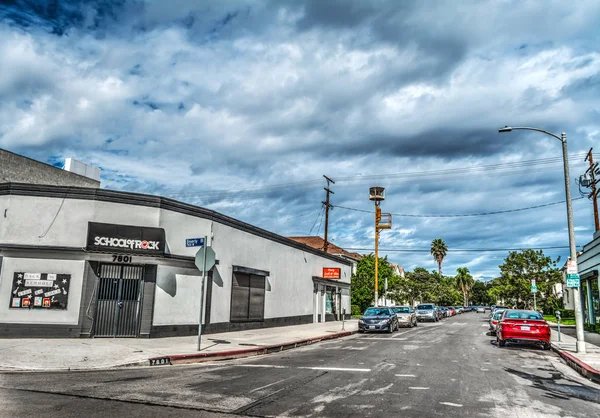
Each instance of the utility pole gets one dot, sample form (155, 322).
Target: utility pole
(593, 194)
(327, 207)
(377, 194)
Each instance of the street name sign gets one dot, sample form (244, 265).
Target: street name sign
(194, 242)
(573, 280)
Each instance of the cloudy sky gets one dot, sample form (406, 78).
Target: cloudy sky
(242, 105)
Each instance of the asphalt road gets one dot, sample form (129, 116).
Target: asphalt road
(448, 369)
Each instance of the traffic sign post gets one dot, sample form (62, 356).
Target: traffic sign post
(573, 280)
(205, 259)
(534, 291)
(571, 267)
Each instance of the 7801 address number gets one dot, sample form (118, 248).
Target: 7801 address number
(117, 258)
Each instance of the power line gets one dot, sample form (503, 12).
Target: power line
(318, 216)
(419, 250)
(431, 173)
(464, 214)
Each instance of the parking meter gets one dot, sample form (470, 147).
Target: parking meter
(557, 313)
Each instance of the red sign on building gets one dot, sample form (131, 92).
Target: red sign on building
(331, 272)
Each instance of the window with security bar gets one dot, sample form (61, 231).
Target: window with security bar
(247, 298)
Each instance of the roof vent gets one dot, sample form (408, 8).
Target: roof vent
(82, 169)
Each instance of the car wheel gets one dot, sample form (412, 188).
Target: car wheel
(501, 343)
(547, 346)
(390, 329)
(416, 323)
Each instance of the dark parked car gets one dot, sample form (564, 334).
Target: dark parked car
(378, 319)
(445, 311)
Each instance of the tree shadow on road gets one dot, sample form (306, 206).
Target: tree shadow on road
(556, 390)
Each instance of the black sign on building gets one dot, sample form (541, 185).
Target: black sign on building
(125, 239)
(40, 290)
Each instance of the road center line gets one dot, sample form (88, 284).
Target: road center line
(405, 375)
(267, 386)
(451, 404)
(340, 369)
(418, 388)
(271, 366)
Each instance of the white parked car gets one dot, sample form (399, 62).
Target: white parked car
(480, 309)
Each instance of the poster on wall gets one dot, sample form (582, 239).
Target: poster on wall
(40, 290)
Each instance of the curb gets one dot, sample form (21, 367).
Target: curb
(117, 366)
(248, 352)
(579, 366)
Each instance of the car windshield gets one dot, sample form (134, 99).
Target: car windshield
(377, 312)
(401, 309)
(425, 307)
(522, 315)
(498, 314)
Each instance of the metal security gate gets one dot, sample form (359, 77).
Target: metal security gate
(119, 300)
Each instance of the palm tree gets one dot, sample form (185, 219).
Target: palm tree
(464, 281)
(438, 251)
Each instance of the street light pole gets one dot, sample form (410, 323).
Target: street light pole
(572, 248)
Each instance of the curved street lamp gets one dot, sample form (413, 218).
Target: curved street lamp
(563, 139)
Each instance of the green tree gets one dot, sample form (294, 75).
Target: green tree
(362, 291)
(517, 272)
(464, 281)
(424, 286)
(439, 251)
(480, 294)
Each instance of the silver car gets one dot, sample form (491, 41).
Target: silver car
(494, 320)
(428, 312)
(406, 316)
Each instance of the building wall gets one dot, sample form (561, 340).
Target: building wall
(177, 296)
(63, 222)
(15, 168)
(289, 284)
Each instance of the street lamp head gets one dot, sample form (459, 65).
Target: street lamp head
(377, 193)
(505, 129)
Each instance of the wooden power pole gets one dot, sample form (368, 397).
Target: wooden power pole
(327, 207)
(593, 195)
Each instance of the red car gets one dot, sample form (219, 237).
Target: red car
(524, 327)
(452, 310)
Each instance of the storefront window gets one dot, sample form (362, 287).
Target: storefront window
(330, 300)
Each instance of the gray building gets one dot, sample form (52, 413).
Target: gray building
(84, 261)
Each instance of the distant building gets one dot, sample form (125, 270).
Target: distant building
(318, 243)
(15, 168)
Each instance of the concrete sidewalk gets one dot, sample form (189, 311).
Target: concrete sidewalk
(587, 364)
(101, 353)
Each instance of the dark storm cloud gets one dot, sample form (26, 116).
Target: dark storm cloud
(58, 16)
(390, 22)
